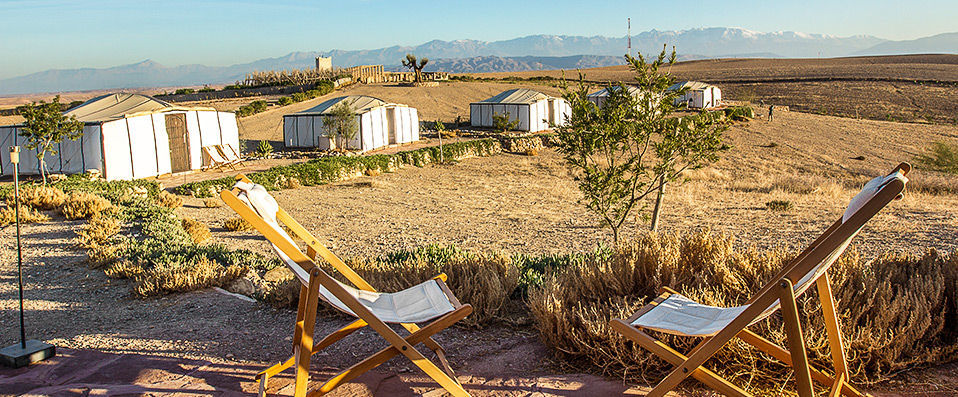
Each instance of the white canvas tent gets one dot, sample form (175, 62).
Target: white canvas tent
(380, 124)
(534, 110)
(599, 97)
(699, 95)
(128, 136)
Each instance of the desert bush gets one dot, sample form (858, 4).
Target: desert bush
(251, 109)
(206, 88)
(98, 231)
(82, 205)
(896, 311)
(182, 91)
(212, 202)
(237, 224)
(332, 169)
(263, 148)
(283, 101)
(181, 277)
(941, 156)
(197, 230)
(740, 113)
(779, 205)
(531, 152)
(169, 200)
(299, 97)
(28, 214)
(501, 123)
(40, 197)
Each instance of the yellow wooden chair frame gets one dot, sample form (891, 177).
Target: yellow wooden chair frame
(303, 346)
(781, 288)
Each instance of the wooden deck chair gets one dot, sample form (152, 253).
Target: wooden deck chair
(216, 159)
(429, 301)
(230, 154)
(675, 314)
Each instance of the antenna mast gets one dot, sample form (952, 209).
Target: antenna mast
(629, 35)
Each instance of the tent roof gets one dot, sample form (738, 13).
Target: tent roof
(359, 104)
(635, 91)
(517, 96)
(119, 105)
(691, 85)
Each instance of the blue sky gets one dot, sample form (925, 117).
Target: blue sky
(40, 35)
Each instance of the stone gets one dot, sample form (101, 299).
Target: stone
(242, 286)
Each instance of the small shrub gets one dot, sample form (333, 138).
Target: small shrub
(501, 123)
(237, 224)
(27, 215)
(289, 183)
(181, 277)
(771, 145)
(206, 88)
(299, 97)
(212, 202)
(531, 152)
(283, 101)
(40, 197)
(779, 205)
(263, 149)
(183, 91)
(169, 200)
(197, 230)
(82, 205)
(98, 231)
(941, 156)
(313, 93)
(740, 113)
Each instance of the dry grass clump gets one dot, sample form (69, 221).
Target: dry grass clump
(98, 231)
(40, 197)
(82, 205)
(8, 215)
(169, 200)
(779, 205)
(212, 202)
(237, 224)
(170, 277)
(197, 230)
(896, 311)
(284, 182)
(531, 152)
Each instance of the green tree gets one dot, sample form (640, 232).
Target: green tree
(501, 122)
(440, 128)
(410, 62)
(632, 146)
(341, 125)
(45, 126)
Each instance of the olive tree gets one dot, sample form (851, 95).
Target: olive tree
(632, 146)
(45, 126)
(341, 125)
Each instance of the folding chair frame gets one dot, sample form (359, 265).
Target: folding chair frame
(215, 165)
(236, 159)
(303, 346)
(780, 289)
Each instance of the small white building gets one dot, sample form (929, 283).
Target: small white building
(534, 110)
(380, 124)
(699, 95)
(599, 97)
(129, 136)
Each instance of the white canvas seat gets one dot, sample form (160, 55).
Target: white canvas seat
(216, 159)
(415, 304)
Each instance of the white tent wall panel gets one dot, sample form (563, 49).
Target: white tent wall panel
(164, 164)
(71, 156)
(413, 125)
(209, 128)
(229, 130)
(193, 131)
(475, 116)
(523, 114)
(8, 136)
(304, 131)
(365, 133)
(486, 115)
(142, 147)
(116, 151)
(92, 147)
(380, 129)
(289, 131)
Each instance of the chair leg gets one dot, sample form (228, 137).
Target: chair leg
(829, 312)
(385, 354)
(305, 348)
(796, 342)
(673, 357)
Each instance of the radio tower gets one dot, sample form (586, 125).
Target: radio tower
(628, 33)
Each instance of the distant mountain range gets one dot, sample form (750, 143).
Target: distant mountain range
(538, 52)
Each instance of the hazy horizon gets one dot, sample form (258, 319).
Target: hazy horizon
(220, 33)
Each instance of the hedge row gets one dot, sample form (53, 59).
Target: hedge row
(332, 169)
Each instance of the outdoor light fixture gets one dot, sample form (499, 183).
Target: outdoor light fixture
(27, 351)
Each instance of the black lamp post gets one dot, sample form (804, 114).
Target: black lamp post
(27, 351)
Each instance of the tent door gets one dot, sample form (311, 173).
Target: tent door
(179, 142)
(552, 111)
(391, 124)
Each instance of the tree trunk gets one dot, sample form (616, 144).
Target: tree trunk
(43, 169)
(656, 211)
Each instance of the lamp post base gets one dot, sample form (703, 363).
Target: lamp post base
(14, 356)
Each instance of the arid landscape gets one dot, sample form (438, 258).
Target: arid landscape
(850, 119)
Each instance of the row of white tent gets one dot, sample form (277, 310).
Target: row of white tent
(128, 136)
(379, 124)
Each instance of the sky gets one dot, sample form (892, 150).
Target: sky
(41, 35)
